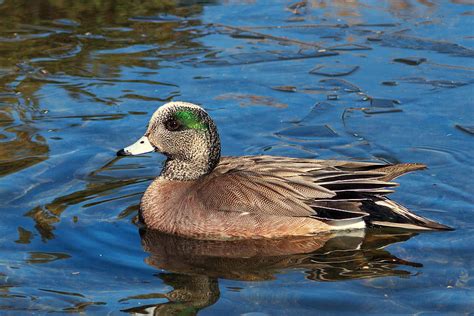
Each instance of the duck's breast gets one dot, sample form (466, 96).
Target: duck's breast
(162, 203)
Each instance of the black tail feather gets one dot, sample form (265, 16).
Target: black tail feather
(387, 213)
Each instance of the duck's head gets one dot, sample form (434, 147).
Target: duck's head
(186, 134)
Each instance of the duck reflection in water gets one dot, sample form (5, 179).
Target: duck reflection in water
(194, 266)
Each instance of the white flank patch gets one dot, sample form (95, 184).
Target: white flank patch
(348, 224)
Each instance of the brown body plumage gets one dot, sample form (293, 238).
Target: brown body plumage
(260, 196)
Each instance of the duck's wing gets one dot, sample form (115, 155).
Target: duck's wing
(328, 190)
(236, 187)
(290, 186)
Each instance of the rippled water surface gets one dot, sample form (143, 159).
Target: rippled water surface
(384, 81)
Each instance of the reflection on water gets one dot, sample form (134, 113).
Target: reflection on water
(195, 266)
(21, 144)
(328, 257)
(381, 81)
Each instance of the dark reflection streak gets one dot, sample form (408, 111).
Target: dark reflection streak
(113, 199)
(105, 166)
(268, 36)
(129, 211)
(81, 306)
(271, 27)
(96, 117)
(141, 81)
(46, 257)
(146, 296)
(145, 98)
(62, 292)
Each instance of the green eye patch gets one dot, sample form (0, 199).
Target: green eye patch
(190, 120)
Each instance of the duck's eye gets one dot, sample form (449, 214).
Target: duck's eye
(172, 125)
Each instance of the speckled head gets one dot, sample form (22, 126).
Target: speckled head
(186, 134)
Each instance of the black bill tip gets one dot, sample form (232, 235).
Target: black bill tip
(123, 152)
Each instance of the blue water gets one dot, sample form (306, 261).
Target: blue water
(80, 80)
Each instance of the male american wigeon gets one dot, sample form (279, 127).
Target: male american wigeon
(202, 195)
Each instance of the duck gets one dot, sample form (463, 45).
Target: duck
(201, 195)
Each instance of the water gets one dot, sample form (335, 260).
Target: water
(391, 81)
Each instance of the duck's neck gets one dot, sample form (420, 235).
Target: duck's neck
(195, 166)
(185, 170)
